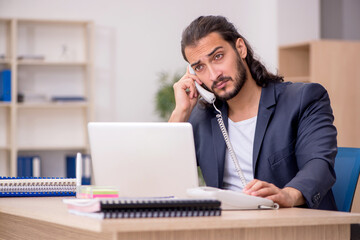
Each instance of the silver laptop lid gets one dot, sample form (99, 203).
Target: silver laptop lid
(144, 159)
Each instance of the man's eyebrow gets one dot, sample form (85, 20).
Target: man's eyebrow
(195, 63)
(211, 53)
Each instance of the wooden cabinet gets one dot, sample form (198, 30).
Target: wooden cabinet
(335, 65)
(49, 61)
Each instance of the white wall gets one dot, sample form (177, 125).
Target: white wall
(298, 21)
(136, 40)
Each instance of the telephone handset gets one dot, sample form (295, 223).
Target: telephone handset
(210, 98)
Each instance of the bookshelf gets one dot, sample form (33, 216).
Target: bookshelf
(47, 59)
(5, 63)
(335, 65)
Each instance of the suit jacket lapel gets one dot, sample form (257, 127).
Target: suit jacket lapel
(219, 143)
(267, 100)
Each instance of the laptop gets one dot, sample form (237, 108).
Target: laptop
(144, 159)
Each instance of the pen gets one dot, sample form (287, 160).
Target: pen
(78, 172)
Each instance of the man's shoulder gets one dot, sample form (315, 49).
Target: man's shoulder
(200, 113)
(302, 96)
(299, 90)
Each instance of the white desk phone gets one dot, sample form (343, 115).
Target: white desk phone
(232, 200)
(229, 199)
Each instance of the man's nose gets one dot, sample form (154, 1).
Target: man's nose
(213, 73)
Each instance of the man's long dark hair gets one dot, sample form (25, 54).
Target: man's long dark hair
(205, 25)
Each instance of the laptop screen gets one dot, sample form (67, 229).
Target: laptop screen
(144, 159)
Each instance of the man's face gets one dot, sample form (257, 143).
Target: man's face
(218, 65)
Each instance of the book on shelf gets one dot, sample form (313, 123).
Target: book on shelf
(68, 99)
(31, 57)
(28, 166)
(143, 207)
(5, 85)
(37, 187)
(86, 168)
(28, 97)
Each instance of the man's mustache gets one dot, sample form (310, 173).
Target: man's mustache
(220, 79)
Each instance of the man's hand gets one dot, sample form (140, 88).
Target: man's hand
(186, 97)
(286, 197)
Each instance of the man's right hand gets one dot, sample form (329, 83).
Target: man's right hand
(186, 97)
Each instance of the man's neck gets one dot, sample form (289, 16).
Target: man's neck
(245, 104)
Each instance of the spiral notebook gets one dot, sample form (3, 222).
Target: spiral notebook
(37, 187)
(144, 208)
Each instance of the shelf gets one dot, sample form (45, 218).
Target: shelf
(5, 104)
(294, 60)
(5, 61)
(303, 45)
(53, 21)
(51, 148)
(53, 105)
(305, 79)
(50, 63)
(4, 148)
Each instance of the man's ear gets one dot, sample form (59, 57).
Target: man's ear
(241, 48)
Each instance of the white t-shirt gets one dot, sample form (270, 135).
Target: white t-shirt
(241, 136)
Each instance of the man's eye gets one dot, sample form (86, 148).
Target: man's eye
(198, 68)
(219, 56)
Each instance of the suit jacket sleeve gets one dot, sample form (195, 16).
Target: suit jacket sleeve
(316, 146)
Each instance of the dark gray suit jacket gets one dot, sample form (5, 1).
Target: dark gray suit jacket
(295, 141)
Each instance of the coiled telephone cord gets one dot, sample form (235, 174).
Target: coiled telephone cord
(229, 146)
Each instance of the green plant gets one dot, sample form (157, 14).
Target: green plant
(201, 177)
(165, 100)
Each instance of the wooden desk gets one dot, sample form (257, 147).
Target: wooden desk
(47, 218)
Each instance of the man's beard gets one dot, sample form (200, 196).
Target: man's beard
(239, 81)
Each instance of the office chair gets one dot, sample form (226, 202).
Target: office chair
(347, 169)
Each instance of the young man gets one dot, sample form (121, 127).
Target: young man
(282, 133)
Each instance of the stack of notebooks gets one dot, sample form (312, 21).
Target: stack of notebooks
(143, 208)
(37, 187)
